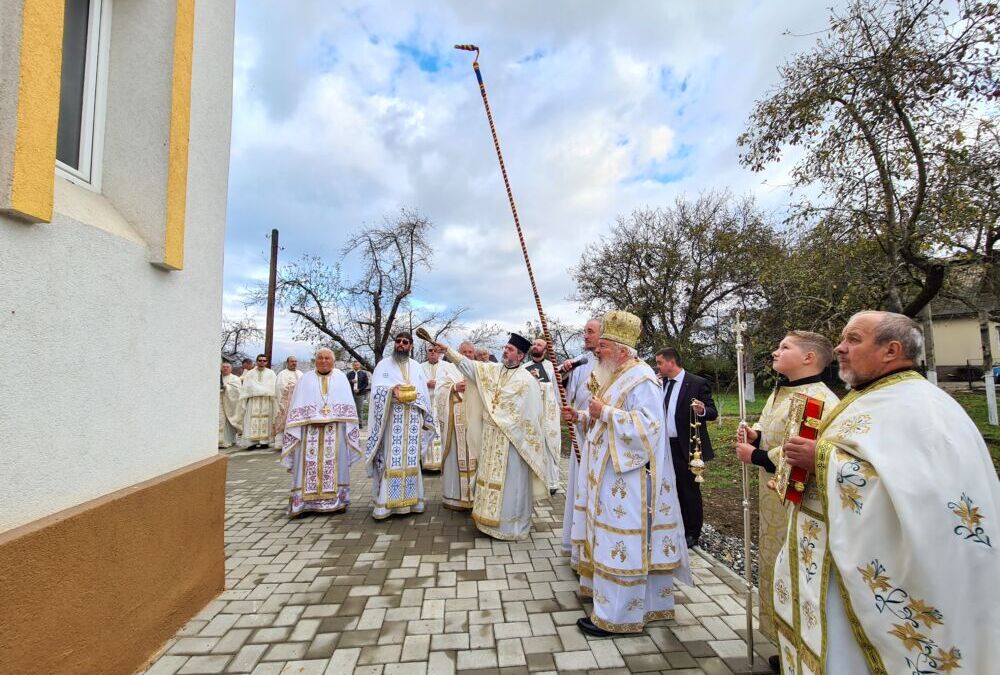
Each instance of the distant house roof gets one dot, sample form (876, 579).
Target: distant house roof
(944, 308)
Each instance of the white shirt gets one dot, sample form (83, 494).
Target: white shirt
(672, 403)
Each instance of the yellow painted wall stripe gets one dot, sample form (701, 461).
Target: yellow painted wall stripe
(180, 130)
(33, 174)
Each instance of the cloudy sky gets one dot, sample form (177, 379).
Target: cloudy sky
(346, 111)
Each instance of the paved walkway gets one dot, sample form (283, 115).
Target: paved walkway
(422, 594)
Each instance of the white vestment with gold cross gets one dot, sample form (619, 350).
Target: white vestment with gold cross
(577, 397)
(320, 443)
(512, 462)
(773, 427)
(891, 561)
(397, 435)
(460, 423)
(633, 543)
(259, 403)
(443, 374)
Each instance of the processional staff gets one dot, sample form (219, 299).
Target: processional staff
(745, 474)
(520, 236)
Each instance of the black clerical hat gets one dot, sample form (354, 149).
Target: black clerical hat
(520, 342)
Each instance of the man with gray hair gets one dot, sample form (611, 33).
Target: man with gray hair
(893, 546)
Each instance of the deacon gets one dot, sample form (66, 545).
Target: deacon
(891, 560)
(257, 396)
(541, 369)
(401, 425)
(321, 439)
(438, 374)
(460, 425)
(229, 406)
(286, 381)
(634, 536)
(799, 360)
(512, 445)
(578, 398)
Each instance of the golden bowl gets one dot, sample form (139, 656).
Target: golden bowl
(407, 393)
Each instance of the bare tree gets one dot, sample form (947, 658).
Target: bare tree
(362, 314)
(485, 335)
(567, 339)
(235, 334)
(672, 266)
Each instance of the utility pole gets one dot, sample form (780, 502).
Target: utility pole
(930, 358)
(271, 286)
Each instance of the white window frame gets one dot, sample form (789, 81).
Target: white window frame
(95, 83)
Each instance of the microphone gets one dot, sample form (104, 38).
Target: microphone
(576, 363)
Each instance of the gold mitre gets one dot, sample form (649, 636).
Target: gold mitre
(621, 327)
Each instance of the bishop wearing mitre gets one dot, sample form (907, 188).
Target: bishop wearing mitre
(512, 462)
(229, 406)
(321, 439)
(634, 536)
(439, 375)
(400, 426)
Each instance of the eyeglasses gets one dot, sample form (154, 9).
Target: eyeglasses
(402, 341)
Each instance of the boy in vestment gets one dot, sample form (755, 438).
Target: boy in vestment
(799, 360)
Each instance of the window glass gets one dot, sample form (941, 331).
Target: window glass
(74, 82)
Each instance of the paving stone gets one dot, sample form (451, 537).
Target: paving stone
(424, 594)
(205, 664)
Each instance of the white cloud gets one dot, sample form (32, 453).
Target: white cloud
(346, 111)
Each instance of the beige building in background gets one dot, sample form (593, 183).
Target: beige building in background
(958, 345)
(114, 158)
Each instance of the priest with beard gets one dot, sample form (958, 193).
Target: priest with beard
(634, 537)
(439, 375)
(321, 439)
(512, 460)
(460, 424)
(229, 406)
(578, 383)
(259, 402)
(542, 370)
(401, 426)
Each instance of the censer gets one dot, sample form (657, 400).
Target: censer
(696, 463)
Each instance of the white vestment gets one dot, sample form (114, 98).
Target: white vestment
(634, 536)
(286, 381)
(259, 406)
(443, 374)
(578, 398)
(321, 443)
(901, 521)
(397, 434)
(512, 447)
(229, 410)
(460, 423)
(552, 418)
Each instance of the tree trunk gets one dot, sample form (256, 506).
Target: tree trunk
(930, 360)
(991, 391)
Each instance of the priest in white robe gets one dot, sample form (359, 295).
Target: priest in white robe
(321, 439)
(512, 462)
(229, 406)
(578, 386)
(286, 381)
(259, 403)
(439, 374)
(634, 542)
(400, 426)
(460, 424)
(543, 371)
(891, 561)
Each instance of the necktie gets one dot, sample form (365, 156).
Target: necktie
(666, 397)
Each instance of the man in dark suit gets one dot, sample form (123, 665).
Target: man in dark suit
(360, 386)
(684, 393)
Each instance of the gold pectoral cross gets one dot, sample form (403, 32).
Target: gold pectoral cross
(326, 409)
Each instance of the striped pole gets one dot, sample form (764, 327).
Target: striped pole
(524, 247)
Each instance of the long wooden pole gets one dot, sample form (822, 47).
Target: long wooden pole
(520, 236)
(271, 287)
